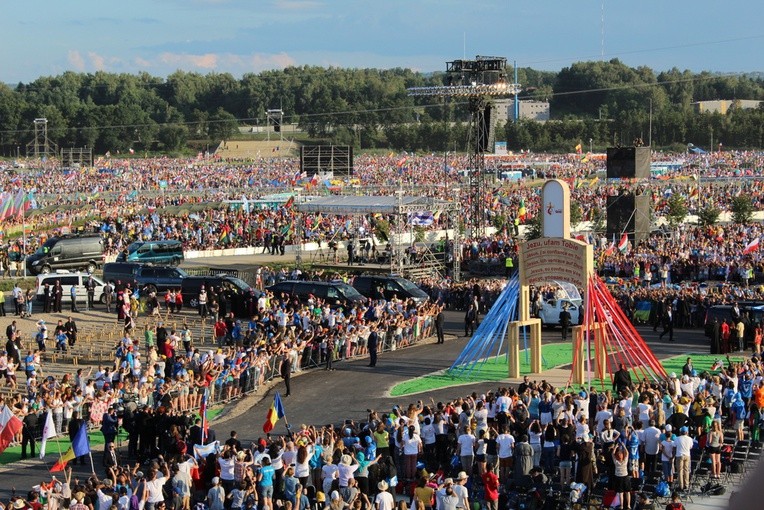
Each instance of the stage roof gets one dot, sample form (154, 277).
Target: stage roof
(347, 204)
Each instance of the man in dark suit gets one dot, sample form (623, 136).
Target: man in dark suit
(195, 433)
(440, 320)
(621, 379)
(28, 433)
(286, 373)
(565, 319)
(668, 324)
(111, 460)
(10, 331)
(233, 442)
(687, 368)
(372, 343)
(46, 298)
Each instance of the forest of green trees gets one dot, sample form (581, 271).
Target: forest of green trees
(607, 102)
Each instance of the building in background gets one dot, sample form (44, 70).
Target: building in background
(723, 105)
(530, 110)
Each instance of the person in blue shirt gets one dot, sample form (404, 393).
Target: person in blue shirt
(631, 440)
(73, 296)
(265, 483)
(739, 413)
(745, 387)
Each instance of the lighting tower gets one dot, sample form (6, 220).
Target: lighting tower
(478, 81)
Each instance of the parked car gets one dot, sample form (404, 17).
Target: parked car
(153, 278)
(328, 291)
(390, 286)
(551, 308)
(67, 280)
(73, 251)
(154, 252)
(191, 286)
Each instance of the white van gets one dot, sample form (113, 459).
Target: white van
(67, 280)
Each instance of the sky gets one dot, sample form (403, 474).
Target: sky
(242, 36)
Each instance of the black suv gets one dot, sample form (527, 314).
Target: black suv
(328, 291)
(372, 286)
(153, 278)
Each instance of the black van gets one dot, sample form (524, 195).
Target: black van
(235, 287)
(153, 278)
(67, 252)
(370, 286)
(328, 291)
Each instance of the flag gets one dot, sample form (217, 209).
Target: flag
(48, 431)
(275, 413)
(402, 161)
(579, 149)
(610, 249)
(80, 446)
(521, 212)
(10, 425)
(693, 193)
(623, 244)
(202, 451)
(289, 203)
(223, 235)
(203, 414)
(751, 247)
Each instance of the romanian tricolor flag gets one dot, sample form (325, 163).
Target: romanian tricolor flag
(80, 446)
(275, 413)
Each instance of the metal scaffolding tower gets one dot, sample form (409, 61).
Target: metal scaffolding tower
(41, 146)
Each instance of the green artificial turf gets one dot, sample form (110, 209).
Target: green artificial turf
(491, 369)
(62, 443)
(554, 355)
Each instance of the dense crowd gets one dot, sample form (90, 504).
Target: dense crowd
(505, 448)
(130, 199)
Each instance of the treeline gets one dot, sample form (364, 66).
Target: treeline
(607, 102)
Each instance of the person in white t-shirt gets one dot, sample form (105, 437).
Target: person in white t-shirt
(466, 444)
(384, 500)
(505, 444)
(599, 419)
(682, 447)
(667, 454)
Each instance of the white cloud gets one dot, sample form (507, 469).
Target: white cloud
(76, 60)
(97, 61)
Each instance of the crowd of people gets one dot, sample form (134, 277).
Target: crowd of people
(141, 199)
(506, 448)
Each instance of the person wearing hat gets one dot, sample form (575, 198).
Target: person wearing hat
(445, 496)
(682, 447)
(79, 502)
(667, 450)
(384, 500)
(461, 491)
(20, 504)
(216, 496)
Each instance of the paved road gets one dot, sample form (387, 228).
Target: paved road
(321, 397)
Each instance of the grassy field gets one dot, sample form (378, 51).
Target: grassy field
(554, 355)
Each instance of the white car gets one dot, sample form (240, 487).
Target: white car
(67, 280)
(550, 311)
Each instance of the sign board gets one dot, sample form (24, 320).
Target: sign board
(546, 259)
(555, 209)
(500, 148)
